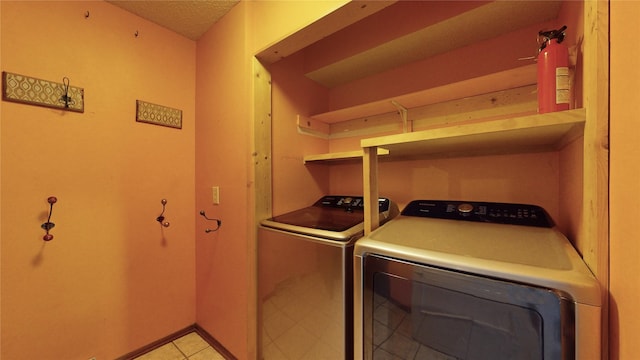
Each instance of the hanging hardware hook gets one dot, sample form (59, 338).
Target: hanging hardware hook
(49, 225)
(160, 218)
(65, 98)
(218, 222)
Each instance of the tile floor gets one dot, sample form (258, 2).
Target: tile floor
(188, 347)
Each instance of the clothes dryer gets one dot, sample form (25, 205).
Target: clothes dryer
(473, 280)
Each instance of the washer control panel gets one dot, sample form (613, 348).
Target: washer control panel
(499, 213)
(350, 203)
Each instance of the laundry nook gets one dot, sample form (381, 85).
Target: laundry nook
(319, 179)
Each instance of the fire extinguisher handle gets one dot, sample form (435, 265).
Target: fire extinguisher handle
(553, 34)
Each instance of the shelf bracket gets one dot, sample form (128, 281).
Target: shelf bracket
(309, 126)
(406, 125)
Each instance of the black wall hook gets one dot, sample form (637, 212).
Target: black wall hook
(218, 222)
(160, 218)
(49, 225)
(65, 98)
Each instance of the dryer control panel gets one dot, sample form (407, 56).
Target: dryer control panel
(490, 212)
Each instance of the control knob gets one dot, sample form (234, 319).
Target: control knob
(465, 209)
(347, 202)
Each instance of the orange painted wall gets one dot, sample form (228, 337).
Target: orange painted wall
(452, 67)
(295, 185)
(112, 280)
(520, 178)
(624, 184)
(223, 158)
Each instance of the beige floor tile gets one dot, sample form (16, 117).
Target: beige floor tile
(271, 352)
(321, 351)
(190, 343)
(165, 352)
(208, 353)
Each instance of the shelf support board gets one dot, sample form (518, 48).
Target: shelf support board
(313, 127)
(370, 189)
(406, 125)
(340, 156)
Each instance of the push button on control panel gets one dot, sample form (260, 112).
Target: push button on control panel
(465, 209)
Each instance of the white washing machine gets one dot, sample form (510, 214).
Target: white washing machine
(473, 280)
(305, 278)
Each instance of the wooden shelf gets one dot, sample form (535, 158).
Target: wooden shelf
(340, 156)
(508, 79)
(533, 133)
(540, 132)
(475, 22)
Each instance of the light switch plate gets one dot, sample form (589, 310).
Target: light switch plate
(215, 193)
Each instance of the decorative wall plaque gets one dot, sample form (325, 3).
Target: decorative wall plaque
(157, 114)
(29, 90)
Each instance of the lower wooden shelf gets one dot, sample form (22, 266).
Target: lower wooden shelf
(533, 133)
(340, 156)
(539, 132)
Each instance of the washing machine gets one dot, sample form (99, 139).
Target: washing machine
(305, 278)
(473, 280)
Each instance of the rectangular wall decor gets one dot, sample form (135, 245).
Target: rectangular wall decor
(29, 90)
(157, 114)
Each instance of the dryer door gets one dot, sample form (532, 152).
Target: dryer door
(413, 311)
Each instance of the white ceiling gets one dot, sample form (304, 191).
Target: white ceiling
(186, 17)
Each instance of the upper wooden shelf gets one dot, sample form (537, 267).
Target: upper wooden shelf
(508, 79)
(540, 132)
(442, 26)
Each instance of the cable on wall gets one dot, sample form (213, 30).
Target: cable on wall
(218, 222)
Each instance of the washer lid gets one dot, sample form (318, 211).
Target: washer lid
(533, 255)
(333, 217)
(323, 218)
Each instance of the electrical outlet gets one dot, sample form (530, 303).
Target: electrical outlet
(215, 191)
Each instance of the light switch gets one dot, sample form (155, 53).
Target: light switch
(215, 193)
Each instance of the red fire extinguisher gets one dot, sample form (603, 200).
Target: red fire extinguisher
(553, 72)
